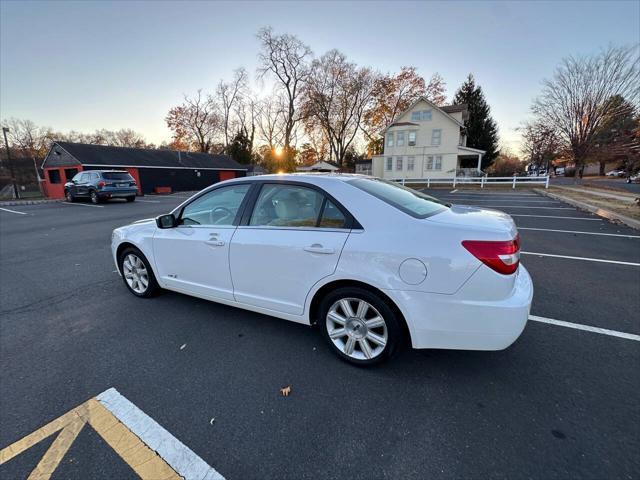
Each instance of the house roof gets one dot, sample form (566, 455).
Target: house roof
(321, 165)
(108, 156)
(451, 109)
(404, 124)
(455, 108)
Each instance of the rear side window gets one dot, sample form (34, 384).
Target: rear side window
(287, 206)
(409, 201)
(117, 176)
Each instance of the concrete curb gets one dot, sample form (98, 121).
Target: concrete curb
(601, 212)
(16, 203)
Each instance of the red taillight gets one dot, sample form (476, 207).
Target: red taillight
(101, 184)
(503, 257)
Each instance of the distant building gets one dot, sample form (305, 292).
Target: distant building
(253, 170)
(319, 167)
(427, 141)
(364, 167)
(180, 171)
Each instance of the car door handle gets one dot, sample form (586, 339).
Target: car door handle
(317, 248)
(214, 243)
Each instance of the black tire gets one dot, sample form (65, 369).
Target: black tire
(69, 196)
(392, 327)
(131, 199)
(93, 196)
(152, 288)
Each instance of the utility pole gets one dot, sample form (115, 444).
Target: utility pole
(13, 177)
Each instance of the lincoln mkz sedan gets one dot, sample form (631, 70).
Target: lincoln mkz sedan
(372, 263)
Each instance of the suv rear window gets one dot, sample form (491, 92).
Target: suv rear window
(409, 201)
(117, 176)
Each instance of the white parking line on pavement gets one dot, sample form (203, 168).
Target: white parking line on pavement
(82, 205)
(586, 259)
(179, 457)
(453, 191)
(587, 328)
(148, 201)
(553, 216)
(581, 233)
(13, 211)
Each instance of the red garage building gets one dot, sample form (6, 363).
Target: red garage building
(152, 169)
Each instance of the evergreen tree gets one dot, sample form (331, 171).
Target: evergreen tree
(240, 148)
(482, 131)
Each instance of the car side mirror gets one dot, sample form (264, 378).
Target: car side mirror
(166, 221)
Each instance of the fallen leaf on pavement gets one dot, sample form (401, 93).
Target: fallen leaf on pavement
(285, 391)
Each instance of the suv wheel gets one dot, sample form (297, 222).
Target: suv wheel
(131, 198)
(94, 197)
(360, 327)
(137, 273)
(69, 196)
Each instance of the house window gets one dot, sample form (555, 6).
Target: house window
(436, 137)
(426, 115)
(400, 139)
(421, 116)
(54, 176)
(390, 139)
(434, 162)
(411, 161)
(412, 139)
(416, 116)
(399, 163)
(389, 165)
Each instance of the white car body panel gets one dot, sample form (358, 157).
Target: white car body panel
(447, 297)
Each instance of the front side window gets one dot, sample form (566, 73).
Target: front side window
(399, 163)
(411, 161)
(84, 177)
(390, 139)
(77, 178)
(400, 139)
(218, 207)
(436, 137)
(412, 139)
(287, 206)
(410, 201)
(389, 164)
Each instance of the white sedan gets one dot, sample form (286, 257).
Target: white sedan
(370, 262)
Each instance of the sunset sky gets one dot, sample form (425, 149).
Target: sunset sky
(90, 65)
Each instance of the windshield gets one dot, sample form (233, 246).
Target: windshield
(409, 201)
(117, 176)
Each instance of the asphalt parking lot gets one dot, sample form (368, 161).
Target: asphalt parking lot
(562, 402)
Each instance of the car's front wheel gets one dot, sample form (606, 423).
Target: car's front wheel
(360, 327)
(137, 273)
(131, 198)
(69, 196)
(95, 199)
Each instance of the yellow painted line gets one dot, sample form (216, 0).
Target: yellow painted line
(144, 461)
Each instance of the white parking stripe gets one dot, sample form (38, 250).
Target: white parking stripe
(586, 259)
(148, 201)
(179, 457)
(582, 233)
(453, 191)
(13, 211)
(587, 328)
(82, 205)
(553, 216)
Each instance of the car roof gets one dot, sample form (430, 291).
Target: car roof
(304, 177)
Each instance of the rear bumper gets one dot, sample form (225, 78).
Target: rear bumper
(466, 321)
(117, 192)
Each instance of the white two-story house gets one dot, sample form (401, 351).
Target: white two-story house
(427, 141)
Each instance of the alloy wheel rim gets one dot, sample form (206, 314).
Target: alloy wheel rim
(135, 273)
(357, 329)
(94, 197)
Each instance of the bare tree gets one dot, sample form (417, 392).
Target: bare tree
(575, 102)
(229, 94)
(247, 113)
(195, 122)
(336, 97)
(25, 135)
(540, 144)
(436, 90)
(286, 58)
(271, 120)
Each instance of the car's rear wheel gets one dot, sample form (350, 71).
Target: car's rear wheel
(93, 195)
(360, 327)
(69, 196)
(131, 199)
(137, 273)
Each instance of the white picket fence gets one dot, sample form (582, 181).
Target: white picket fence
(482, 181)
